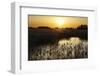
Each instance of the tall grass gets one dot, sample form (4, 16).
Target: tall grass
(67, 50)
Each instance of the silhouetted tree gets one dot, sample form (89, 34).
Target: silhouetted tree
(43, 27)
(82, 27)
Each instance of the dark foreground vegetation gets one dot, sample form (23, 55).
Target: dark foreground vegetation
(43, 43)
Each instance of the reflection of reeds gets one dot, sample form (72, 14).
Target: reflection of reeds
(65, 51)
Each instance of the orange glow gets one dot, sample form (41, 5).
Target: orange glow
(56, 21)
(60, 22)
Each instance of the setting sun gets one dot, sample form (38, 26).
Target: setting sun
(60, 21)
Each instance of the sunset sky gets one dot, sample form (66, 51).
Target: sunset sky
(56, 21)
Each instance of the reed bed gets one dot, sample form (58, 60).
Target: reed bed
(67, 50)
